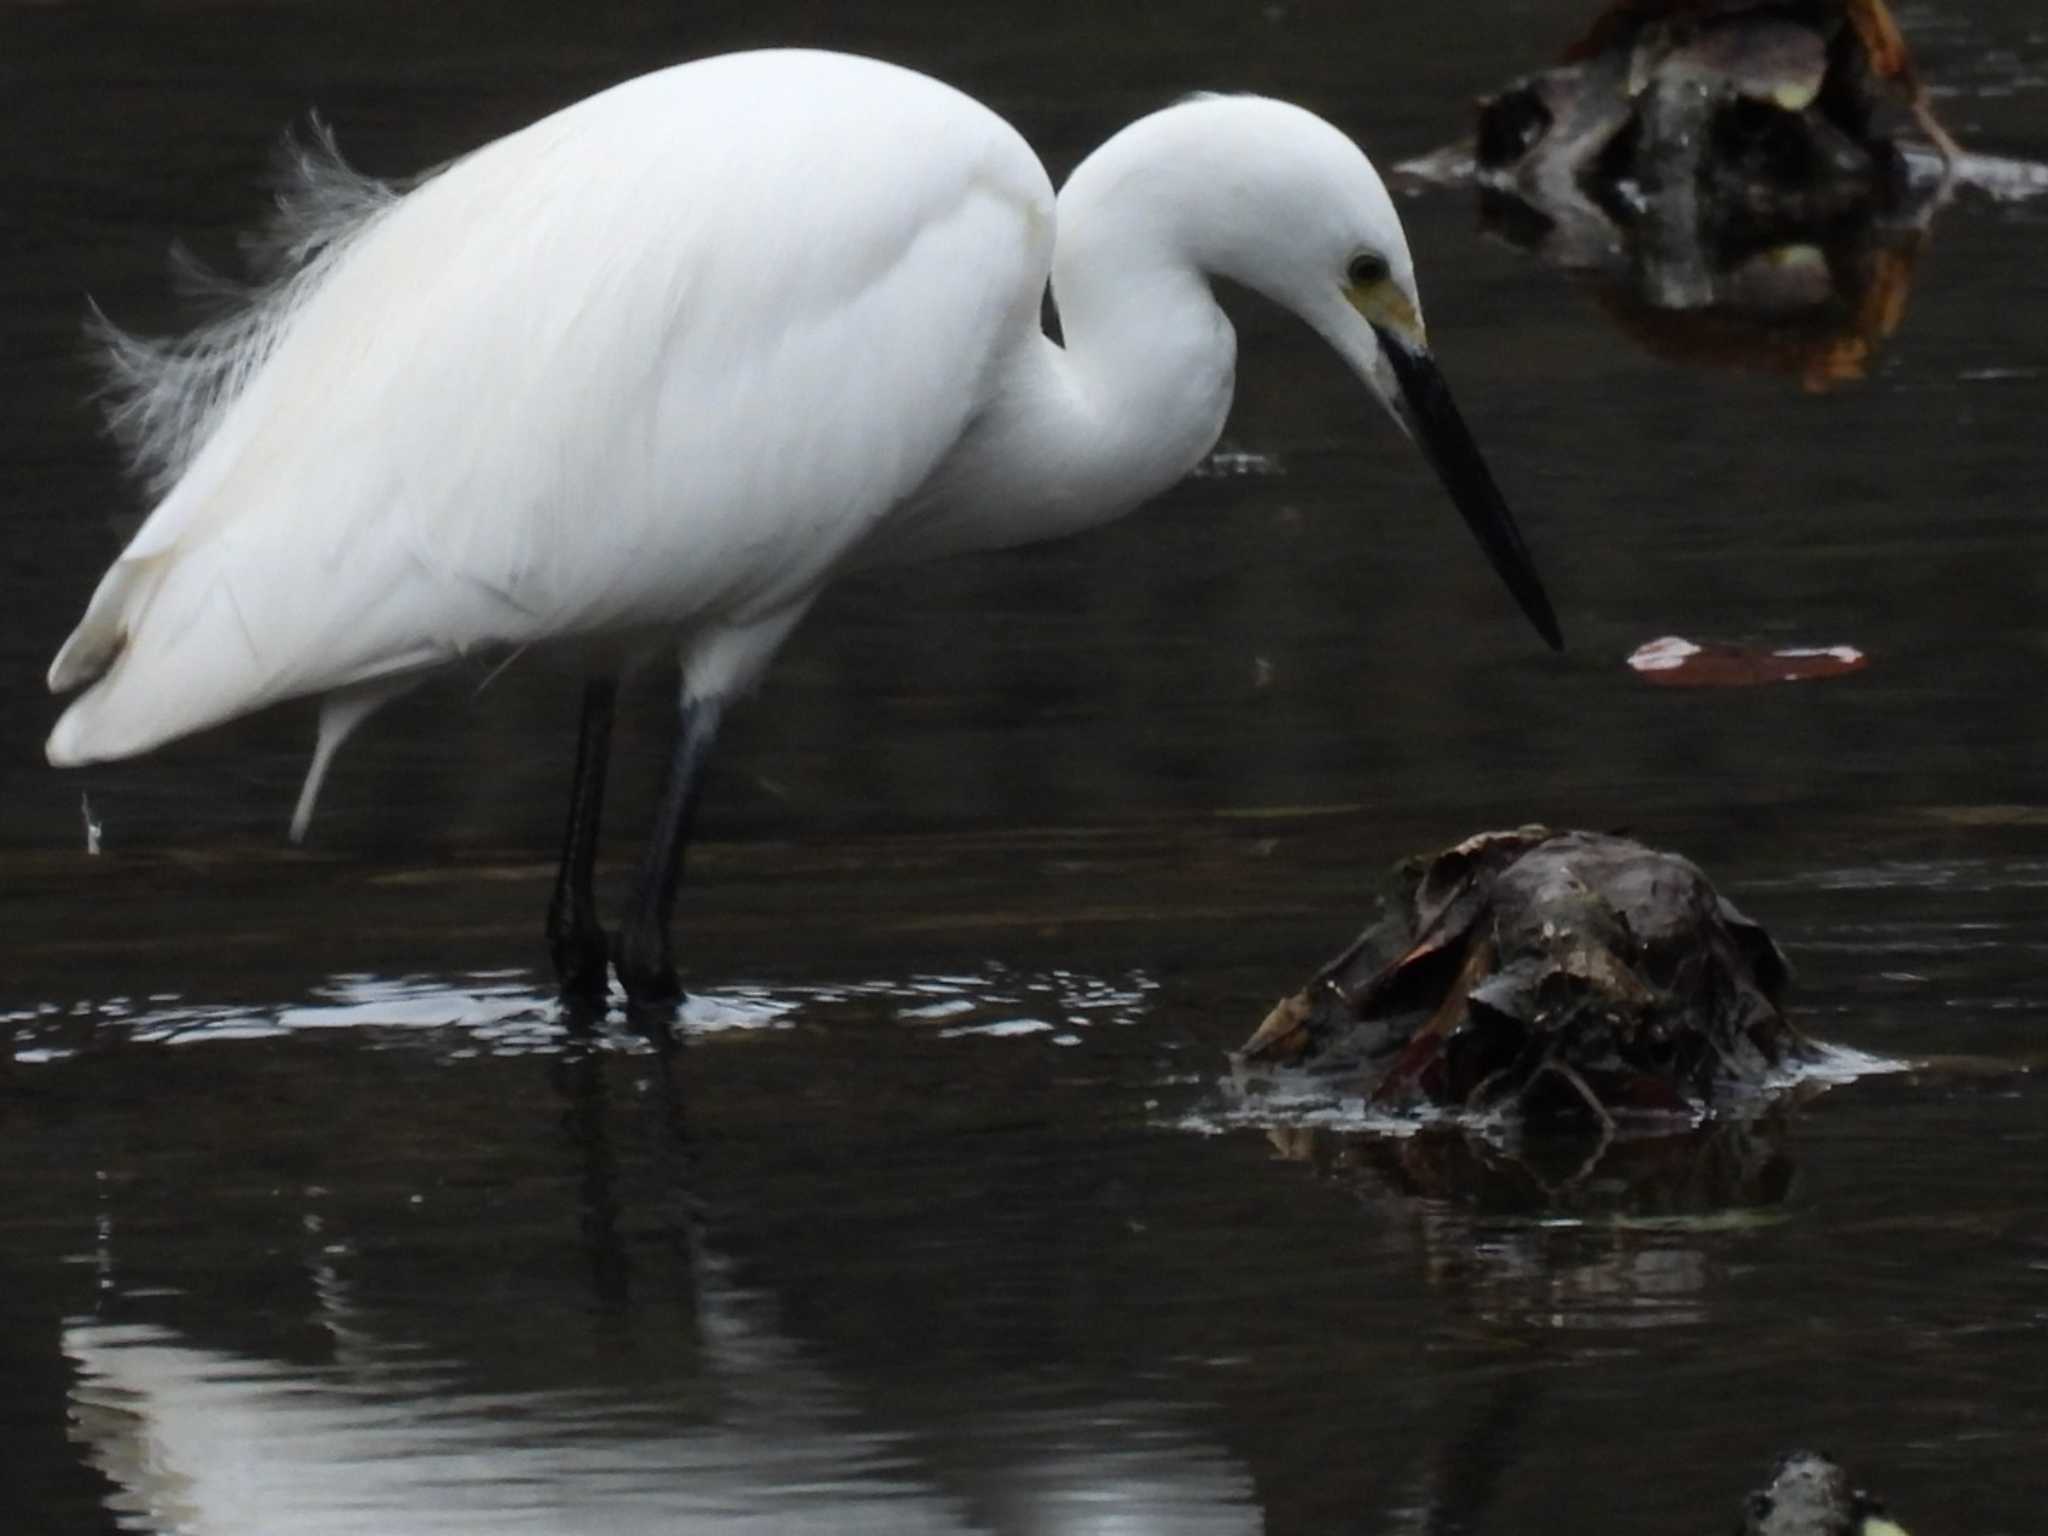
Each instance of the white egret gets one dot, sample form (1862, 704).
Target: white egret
(649, 373)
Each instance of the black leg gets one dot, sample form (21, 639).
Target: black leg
(575, 937)
(643, 957)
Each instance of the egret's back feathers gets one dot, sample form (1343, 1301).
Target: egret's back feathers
(625, 371)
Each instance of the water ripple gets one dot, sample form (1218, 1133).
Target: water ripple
(1987, 875)
(1297, 1100)
(507, 1013)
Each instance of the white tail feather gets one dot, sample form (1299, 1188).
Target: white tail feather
(340, 713)
(186, 642)
(164, 395)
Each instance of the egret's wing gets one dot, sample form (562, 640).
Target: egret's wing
(657, 361)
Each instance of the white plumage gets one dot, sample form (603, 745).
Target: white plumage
(595, 377)
(654, 369)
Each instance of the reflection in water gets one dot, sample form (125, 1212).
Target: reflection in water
(1810, 300)
(1729, 176)
(942, 1299)
(386, 1433)
(1573, 1278)
(1455, 1491)
(204, 1443)
(1554, 1231)
(1563, 1233)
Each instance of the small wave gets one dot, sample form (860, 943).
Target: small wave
(1830, 1065)
(1240, 464)
(1296, 1100)
(508, 1013)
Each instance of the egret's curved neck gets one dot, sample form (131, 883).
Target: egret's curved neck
(1149, 357)
(1135, 394)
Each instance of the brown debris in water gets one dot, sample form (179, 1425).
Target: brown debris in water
(1733, 172)
(1569, 976)
(1875, 30)
(1672, 662)
(1762, 47)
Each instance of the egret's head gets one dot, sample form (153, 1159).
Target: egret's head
(1296, 212)
(1274, 198)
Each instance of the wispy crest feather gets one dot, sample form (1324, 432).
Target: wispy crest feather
(163, 394)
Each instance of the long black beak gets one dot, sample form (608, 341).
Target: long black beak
(1426, 408)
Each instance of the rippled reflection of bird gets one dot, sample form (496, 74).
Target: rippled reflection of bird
(649, 373)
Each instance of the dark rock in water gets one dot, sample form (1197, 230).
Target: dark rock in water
(1808, 1495)
(1569, 976)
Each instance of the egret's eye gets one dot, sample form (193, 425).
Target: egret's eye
(1367, 268)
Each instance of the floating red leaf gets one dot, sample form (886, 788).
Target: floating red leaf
(1671, 662)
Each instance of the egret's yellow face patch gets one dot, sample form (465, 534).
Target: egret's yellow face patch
(1877, 1525)
(1384, 305)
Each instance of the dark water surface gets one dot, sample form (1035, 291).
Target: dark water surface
(313, 1219)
